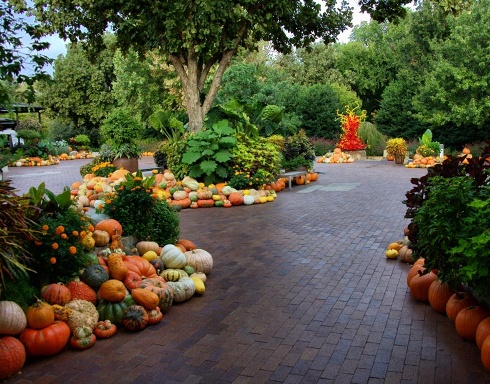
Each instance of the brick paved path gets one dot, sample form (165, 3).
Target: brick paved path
(300, 293)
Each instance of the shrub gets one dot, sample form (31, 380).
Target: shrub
(321, 146)
(157, 221)
(374, 139)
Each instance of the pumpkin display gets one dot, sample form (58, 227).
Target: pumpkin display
(135, 318)
(172, 257)
(40, 315)
(457, 302)
(101, 238)
(162, 289)
(104, 329)
(94, 276)
(205, 203)
(188, 245)
(198, 284)
(248, 200)
(12, 318)
(117, 267)
(146, 298)
(183, 289)
(82, 314)
(468, 319)
(111, 226)
(132, 280)
(145, 246)
(200, 260)
(439, 294)
(81, 290)
(12, 356)
(155, 316)
(141, 266)
(112, 290)
(114, 311)
(482, 332)
(56, 293)
(47, 341)
(420, 284)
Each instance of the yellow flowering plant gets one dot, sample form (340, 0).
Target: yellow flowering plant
(243, 179)
(104, 169)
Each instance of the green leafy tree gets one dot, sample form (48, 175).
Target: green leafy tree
(17, 56)
(145, 85)
(81, 90)
(198, 38)
(318, 110)
(454, 97)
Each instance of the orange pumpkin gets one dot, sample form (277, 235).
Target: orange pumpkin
(40, 315)
(111, 226)
(235, 198)
(337, 151)
(112, 290)
(457, 302)
(468, 319)
(439, 294)
(132, 280)
(117, 267)
(56, 293)
(485, 353)
(300, 180)
(420, 284)
(466, 151)
(314, 176)
(413, 271)
(482, 332)
(141, 266)
(188, 245)
(146, 298)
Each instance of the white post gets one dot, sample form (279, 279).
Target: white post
(441, 153)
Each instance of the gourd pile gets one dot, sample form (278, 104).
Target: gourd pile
(187, 193)
(471, 318)
(128, 288)
(35, 161)
(336, 157)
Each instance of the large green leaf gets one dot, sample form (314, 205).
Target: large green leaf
(190, 157)
(223, 156)
(208, 166)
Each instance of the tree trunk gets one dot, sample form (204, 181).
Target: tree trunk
(193, 76)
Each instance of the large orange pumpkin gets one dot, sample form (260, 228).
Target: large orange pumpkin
(414, 271)
(482, 332)
(112, 290)
(468, 319)
(485, 353)
(420, 284)
(439, 294)
(12, 356)
(457, 302)
(40, 315)
(56, 293)
(141, 266)
(235, 198)
(47, 341)
(111, 226)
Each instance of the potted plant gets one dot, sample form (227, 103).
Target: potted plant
(119, 131)
(397, 147)
(298, 152)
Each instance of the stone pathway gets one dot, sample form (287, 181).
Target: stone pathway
(300, 293)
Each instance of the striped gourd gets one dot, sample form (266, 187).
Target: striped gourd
(171, 274)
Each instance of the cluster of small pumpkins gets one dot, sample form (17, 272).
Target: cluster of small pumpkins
(128, 290)
(35, 161)
(420, 161)
(186, 193)
(336, 157)
(471, 319)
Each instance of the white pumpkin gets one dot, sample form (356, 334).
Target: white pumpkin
(248, 200)
(227, 190)
(184, 289)
(172, 257)
(200, 260)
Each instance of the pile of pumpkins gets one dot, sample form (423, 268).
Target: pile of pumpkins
(35, 161)
(128, 289)
(420, 161)
(471, 318)
(336, 157)
(186, 193)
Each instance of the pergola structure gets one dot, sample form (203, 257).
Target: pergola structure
(19, 108)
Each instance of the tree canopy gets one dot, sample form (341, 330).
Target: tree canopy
(199, 38)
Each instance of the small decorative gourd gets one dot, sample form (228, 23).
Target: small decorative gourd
(135, 318)
(117, 268)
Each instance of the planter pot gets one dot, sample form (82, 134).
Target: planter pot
(399, 159)
(131, 163)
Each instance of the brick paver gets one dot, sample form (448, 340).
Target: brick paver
(300, 293)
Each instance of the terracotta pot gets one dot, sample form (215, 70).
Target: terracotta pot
(131, 164)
